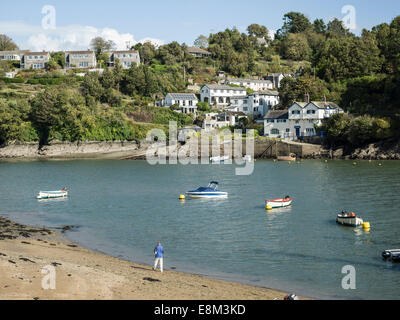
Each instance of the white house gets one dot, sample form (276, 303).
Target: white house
(187, 102)
(299, 120)
(256, 85)
(15, 55)
(214, 121)
(256, 104)
(276, 78)
(220, 95)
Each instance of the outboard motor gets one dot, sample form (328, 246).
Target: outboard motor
(386, 254)
(291, 296)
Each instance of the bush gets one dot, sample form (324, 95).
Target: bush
(13, 80)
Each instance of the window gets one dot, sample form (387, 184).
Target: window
(296, 112)
(274, 131)
(281, 120)
(287, 130)
(83, 64)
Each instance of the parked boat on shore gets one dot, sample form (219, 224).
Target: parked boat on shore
(211, 191)
(286, 158)
(52, 194)
(349, 219)
(278, 203)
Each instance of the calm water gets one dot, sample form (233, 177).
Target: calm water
(124, 207)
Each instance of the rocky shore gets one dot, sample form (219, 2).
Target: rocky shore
(136, 150)
(28, 253)
(385, 150)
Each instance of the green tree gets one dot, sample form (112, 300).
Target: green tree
(295, 47)
(100, 45)
(337, 28)
(258, 31)
(294, 22)
(319, 26)
(201, 42)
(45, 113)
(7, 44)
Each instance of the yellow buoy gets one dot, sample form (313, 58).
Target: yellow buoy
(354, 163)
(366, 225)
(182, 197)
(268, 207)
(326, 161)
(380, 164)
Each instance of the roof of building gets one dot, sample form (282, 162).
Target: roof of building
(325, 105)
(198, 50)
(125, 51)
(268, 92)
(14, 51)
(183, 96)
(277, 114)
(300, 104)
(37, 53)
(80, 52)
(224, 87)
(248, 80)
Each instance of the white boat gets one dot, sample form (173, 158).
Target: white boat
(219, 159)
(278, 203)
(52, 194)
(349, 219)
(208, 192)
(247, 158)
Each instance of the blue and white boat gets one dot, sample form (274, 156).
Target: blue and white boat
(210, 192)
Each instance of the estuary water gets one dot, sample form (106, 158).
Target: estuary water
(123, 208)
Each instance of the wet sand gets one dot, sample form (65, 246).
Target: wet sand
(84, 274)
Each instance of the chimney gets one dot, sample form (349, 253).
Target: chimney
(306, 97)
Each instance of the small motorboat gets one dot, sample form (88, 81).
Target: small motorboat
(219, 159)
(391, 255)
(52, 194)
(208, 192)
(278, 203)
(349, 219)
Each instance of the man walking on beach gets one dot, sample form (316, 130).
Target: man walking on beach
(158, 256)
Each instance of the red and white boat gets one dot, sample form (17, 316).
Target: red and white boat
(278, 203)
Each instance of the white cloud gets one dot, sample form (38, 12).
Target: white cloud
(155, 42)
(73, 37)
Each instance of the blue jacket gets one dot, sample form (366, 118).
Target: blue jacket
(159, 251)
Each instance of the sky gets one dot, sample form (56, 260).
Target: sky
(127, 22)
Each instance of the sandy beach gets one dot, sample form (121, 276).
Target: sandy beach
(26, 252)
